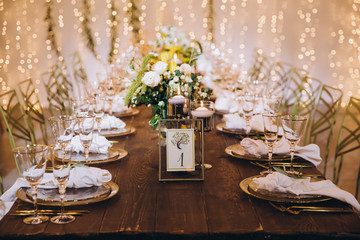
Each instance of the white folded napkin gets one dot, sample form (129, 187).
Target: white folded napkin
(277, 182)
(234, 121)
(80, 177)
(111, 122)
(99, 144)
(259, 148)
(118, 104)
(226, 104)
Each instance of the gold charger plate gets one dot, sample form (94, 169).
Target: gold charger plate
(222, 128)
(117, 132)
(246, 186)
(237, 151)
(114, 189)
(113, 154)
(127, 113)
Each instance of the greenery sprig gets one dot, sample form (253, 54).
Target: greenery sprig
(86, 28)
(134, 15)
(49, 20)
(283, 171)
(113, 30)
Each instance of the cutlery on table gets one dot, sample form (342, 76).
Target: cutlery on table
(298, 209)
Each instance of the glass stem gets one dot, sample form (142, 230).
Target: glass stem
(292, 151)
(98, 121)
(34, 194)
(86, 154)
(270, 153)
(62, 197)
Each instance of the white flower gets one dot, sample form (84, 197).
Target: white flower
(151, 79)
(176, 79)
(186, 68)
(159, 67)
(188, 79)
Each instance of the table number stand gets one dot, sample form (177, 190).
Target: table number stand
(181, 150)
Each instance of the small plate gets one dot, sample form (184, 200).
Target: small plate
(247, 186)
(114, 189)
(113, 154)
(127, 113)
(118, 132)
(237, 151)
(222, 128)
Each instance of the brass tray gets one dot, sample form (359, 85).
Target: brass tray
(222, 128)
(127, 113)
(116, 132)
(237, 151)
(72, 194)
(246, 184)
(114, 189)
(113, 154)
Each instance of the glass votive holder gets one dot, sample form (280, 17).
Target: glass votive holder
(204, 110)
(178, 104)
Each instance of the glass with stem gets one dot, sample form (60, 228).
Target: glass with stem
(80, 105)
(293, 126)
(61, 172)
(62, 128)
(86, 132)
(31, 160)
(271, 128)
(248, 104)
(271, 103)
(98, 105)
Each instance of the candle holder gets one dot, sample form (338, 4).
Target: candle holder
(178, 103)
(203, 110)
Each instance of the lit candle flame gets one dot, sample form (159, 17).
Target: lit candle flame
(175, 56)
(201, 104)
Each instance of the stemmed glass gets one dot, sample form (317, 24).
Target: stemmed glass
(31, 160)
(271, 128)
(62, 128)
(86, 128)
(80, 105)
(61, 172)
(293, 126)
(248, 104)
(271, 103)
(110, 89)
(99, 104)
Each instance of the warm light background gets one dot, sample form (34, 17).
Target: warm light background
(321, 36)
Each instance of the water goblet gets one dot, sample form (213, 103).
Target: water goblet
(61, 172)
(62, 128)
(86, 128)
(271, 128)
(271, 103)
(31, 160)
(293, 126)
(248, 104)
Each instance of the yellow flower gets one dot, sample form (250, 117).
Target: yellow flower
(173, 66)
(165, 56)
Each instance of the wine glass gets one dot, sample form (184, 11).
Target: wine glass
(61, 172)
(31, 160)
(62, 128)
(99, 104)
(271, 103)
(110, 89)
(86, 128)
(80, 105)
(293, 126)
(271, 128)
(248, 104)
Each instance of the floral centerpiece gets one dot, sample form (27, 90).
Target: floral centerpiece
(170, 66)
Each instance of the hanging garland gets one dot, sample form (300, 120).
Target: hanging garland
(134, 14)
(51, 27)
(210, 18)
(114, 31)
(86, 28)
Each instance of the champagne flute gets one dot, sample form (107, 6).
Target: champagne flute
(31, 160)
(61, 172)
(62, 128)
(271, 128)
(86, 128)
(248, 104)
(293, 126)
(98, 103)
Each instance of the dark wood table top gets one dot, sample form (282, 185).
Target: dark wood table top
(216, 208)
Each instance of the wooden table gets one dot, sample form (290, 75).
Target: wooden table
(216, 208)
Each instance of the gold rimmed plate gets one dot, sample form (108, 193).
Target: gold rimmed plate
(127, 113)
(117, 132)
(222, 128)
(83, 198)
(113, 154)
(237, 151)
(249, 187)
